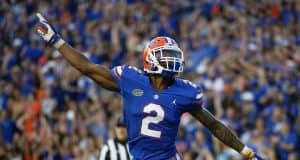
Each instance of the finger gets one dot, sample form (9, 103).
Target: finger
(42, 28)
(40, 32)
(40, 17)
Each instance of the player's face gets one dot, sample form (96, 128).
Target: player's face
(164, 57)
(168, 53)
(121, 133)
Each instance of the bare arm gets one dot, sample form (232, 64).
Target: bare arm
(218, 129)
(98, 73)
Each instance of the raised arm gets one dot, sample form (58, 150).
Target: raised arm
(98, 73)
(223, 133)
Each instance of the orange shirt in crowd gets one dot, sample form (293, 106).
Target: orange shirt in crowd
(32, 113)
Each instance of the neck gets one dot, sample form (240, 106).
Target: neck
(122, 141)
(159, 82)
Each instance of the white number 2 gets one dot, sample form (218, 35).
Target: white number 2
(160, 114)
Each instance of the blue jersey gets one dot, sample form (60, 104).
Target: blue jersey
(152, 118)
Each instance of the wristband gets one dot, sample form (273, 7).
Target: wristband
(59, 43)
(56, 41)
(247, 152)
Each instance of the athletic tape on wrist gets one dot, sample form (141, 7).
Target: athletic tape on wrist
(247, 152)
(59, 43)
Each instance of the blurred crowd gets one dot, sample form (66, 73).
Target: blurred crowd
(245, 54)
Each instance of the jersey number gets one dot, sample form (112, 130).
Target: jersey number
(158, 117)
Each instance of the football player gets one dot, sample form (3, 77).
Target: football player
(153, 99)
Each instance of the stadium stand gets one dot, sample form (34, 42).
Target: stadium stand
(245, 54)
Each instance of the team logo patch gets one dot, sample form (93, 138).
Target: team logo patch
(137, 92)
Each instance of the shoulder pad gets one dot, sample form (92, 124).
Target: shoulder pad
(135, 68)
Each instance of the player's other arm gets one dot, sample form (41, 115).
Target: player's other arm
(218, 129)
(98, 73)
(222, 132)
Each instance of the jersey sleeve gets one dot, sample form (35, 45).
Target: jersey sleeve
(125, 76)
(197, 100)
(117, 73)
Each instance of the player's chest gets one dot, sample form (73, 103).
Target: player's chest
(137, 97)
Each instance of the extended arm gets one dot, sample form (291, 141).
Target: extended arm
(223, 133)
(218, 129)
(98, 73)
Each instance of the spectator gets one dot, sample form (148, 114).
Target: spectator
(244, 53)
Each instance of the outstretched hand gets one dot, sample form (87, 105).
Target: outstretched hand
(255, 157)
(47, 32)
(249, 154)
